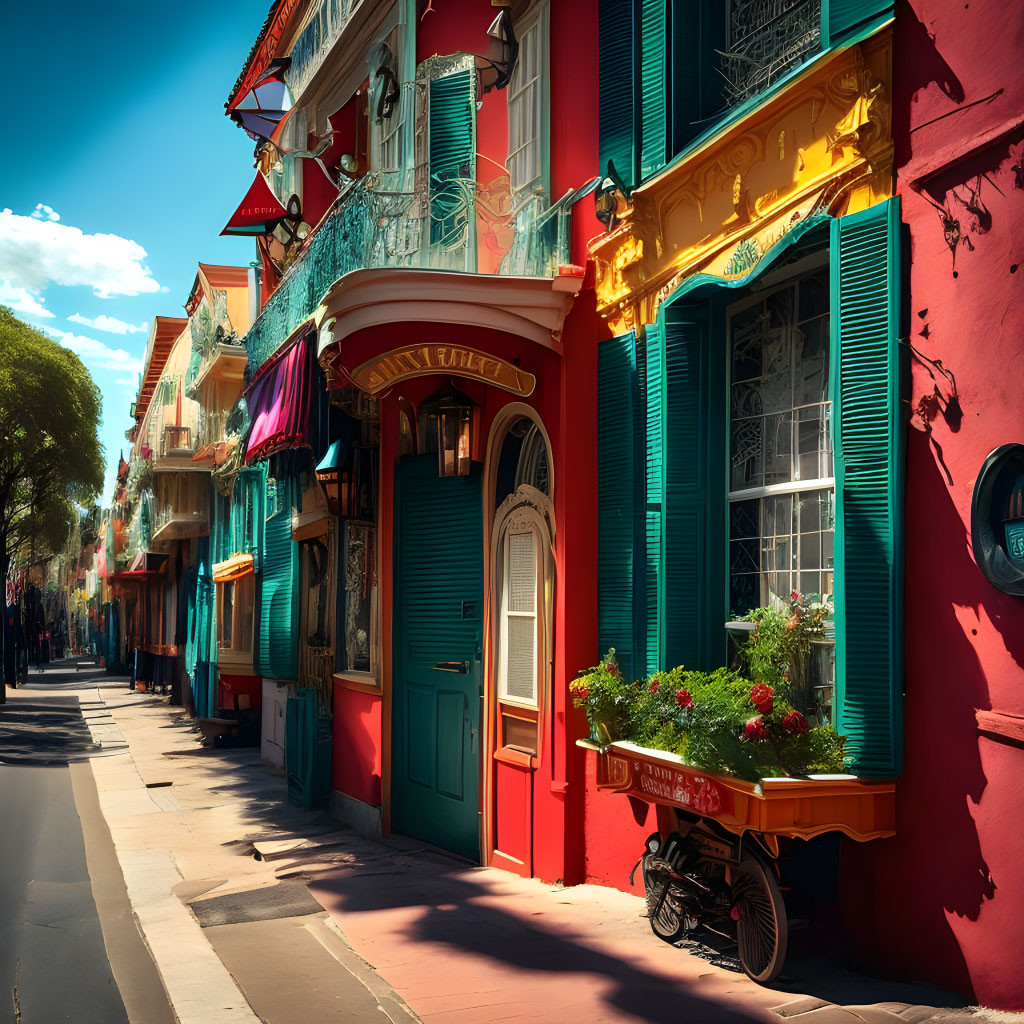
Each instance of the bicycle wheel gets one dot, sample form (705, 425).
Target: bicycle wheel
(761, 926)
(666, 921)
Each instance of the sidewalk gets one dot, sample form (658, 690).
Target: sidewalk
(230, 885)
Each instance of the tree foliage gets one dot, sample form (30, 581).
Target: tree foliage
(51, 458)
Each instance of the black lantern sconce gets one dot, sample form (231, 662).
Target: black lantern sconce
(348, 477)
(453, 412)
(332, 477)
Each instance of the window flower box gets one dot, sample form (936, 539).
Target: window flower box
(798, 808)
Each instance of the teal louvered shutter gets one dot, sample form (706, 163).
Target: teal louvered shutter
(650, 614)
(866, 382)
(697, 32)
(688, 443)
(617, 93)
(619, 497)
(842, 20)
(653, 86)
(452, 152)
(277, 650)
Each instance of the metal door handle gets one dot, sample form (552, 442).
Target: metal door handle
(453, 666)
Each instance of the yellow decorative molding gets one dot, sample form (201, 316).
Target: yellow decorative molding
(823, 145)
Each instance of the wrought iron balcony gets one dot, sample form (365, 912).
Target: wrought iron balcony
(440, 228)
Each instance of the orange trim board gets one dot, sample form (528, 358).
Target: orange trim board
(232, 568)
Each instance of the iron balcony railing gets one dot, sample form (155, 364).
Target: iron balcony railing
(370, 228)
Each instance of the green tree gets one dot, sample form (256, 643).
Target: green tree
(51, 459)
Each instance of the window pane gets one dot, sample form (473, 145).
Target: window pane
(522, 573)
(744, 593)
(778, 449)
(812, 362)
(744, 556)
(746, 345)
(813, 295)
(777, 382)
(521, 663)
(743, 519)
(747, 459)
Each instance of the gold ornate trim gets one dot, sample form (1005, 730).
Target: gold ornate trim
(821, 146)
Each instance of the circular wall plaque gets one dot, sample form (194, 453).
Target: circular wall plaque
(997, 519)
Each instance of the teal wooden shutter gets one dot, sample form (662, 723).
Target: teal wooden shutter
(697, 29)
(651, 613)
(277, 651)
(452, 151)
(653, 86)
(842, 20)
(687, 584)
(619, 497)
(617, 99)
(866, 382)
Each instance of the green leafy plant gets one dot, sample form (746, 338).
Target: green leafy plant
(605, 696)
(721, 721)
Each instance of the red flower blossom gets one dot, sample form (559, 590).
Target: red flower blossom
(755, 730)
(683, 699)
(761, 697)
(654, 685)
(612, 668)
(795, 723)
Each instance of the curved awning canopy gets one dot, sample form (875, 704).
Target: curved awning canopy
(533, 308)
(278, 401)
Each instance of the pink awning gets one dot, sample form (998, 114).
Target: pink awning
(278, 401)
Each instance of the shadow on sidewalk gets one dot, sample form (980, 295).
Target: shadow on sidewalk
(456, 914)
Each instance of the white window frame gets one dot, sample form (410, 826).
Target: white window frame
(505, 613)
(233, 654)
(528, 111)
(796, 485)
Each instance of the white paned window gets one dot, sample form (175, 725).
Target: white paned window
(518, 648)
(526, 102)
(782, 492)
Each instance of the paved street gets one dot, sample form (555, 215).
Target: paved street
(54, 963)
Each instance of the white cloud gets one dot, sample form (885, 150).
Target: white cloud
(96, 355)
(44, 212)
(110, 324)
(21, 300)
(129, 383)
(37, 251)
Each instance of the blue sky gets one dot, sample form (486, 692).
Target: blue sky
(119, 170)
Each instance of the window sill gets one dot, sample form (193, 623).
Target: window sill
(516, 757)
(359, 682)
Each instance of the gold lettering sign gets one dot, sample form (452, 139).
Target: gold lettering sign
(400, 364)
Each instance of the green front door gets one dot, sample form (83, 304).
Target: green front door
(438, 623)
